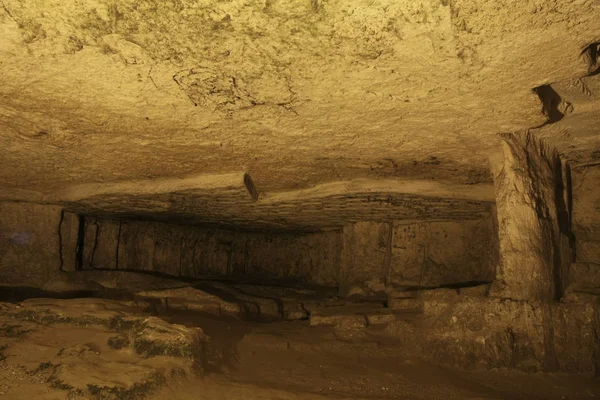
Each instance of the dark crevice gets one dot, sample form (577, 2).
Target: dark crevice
(591, 55)
(388, 253)
(569, 189)
(250, 187)
(564, 228)
(564, 205)
(551, 102)
(80, 241)
(97, 233)
(118, 244)
(16, 294)
(196, 272)
(60, 240)
(11, 16)
(181, 255)
(174, 219)
(457, 286)
(259, 280)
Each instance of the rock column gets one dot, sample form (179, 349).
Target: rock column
(528, 180)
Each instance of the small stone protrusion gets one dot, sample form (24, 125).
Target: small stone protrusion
(591, 55)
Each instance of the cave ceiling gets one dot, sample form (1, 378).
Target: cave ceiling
(296, 94)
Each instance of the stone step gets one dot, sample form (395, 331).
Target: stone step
(404, 300)
(402, 293)
(405, 304)
(352, 316)
(338, 320)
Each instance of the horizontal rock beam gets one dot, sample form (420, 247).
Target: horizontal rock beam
(417, 187)
(205, 184)
(232, 199)
(214, 183)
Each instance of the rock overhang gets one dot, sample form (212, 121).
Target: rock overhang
(297, 94)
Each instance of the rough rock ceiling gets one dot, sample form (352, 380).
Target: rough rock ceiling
(296, 93)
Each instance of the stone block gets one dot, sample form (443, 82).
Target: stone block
(156, 337)
(340, 321)
(475, 291)
(293, 311)
(192, 299)
(584, 275)
(380, 318)
(575, 337)
(405, 304)
(435, 253)
(492, 350)
(588, 251)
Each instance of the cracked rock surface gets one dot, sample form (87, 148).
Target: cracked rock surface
(296, 94)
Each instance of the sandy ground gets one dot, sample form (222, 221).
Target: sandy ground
(52, 349)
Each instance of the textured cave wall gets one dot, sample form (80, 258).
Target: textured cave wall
(366, 254)
(29, 243)
(467, 329)
(518, 323)
(530, 206)
(586, 226)
(199, 252)
(422, 253)
(442, 253)
(364, 259)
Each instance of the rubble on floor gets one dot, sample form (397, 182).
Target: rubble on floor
(96, 347)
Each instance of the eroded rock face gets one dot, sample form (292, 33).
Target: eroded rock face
(475, 331)
(585, 273)
(418, 254)
(527, 182)
(295, 94)
(29, 243)
(91, 348)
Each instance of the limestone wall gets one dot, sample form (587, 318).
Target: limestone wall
(441, 253)
(366, 253)
(29, 243)
(586, 226)
(364, 258)
(468, 329)
(532, 232)
(195, 252)
(37, 241)
(426, 253)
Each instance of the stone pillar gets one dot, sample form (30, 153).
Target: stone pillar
(528, 180)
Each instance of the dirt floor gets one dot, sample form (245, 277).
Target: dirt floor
(106, 349)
